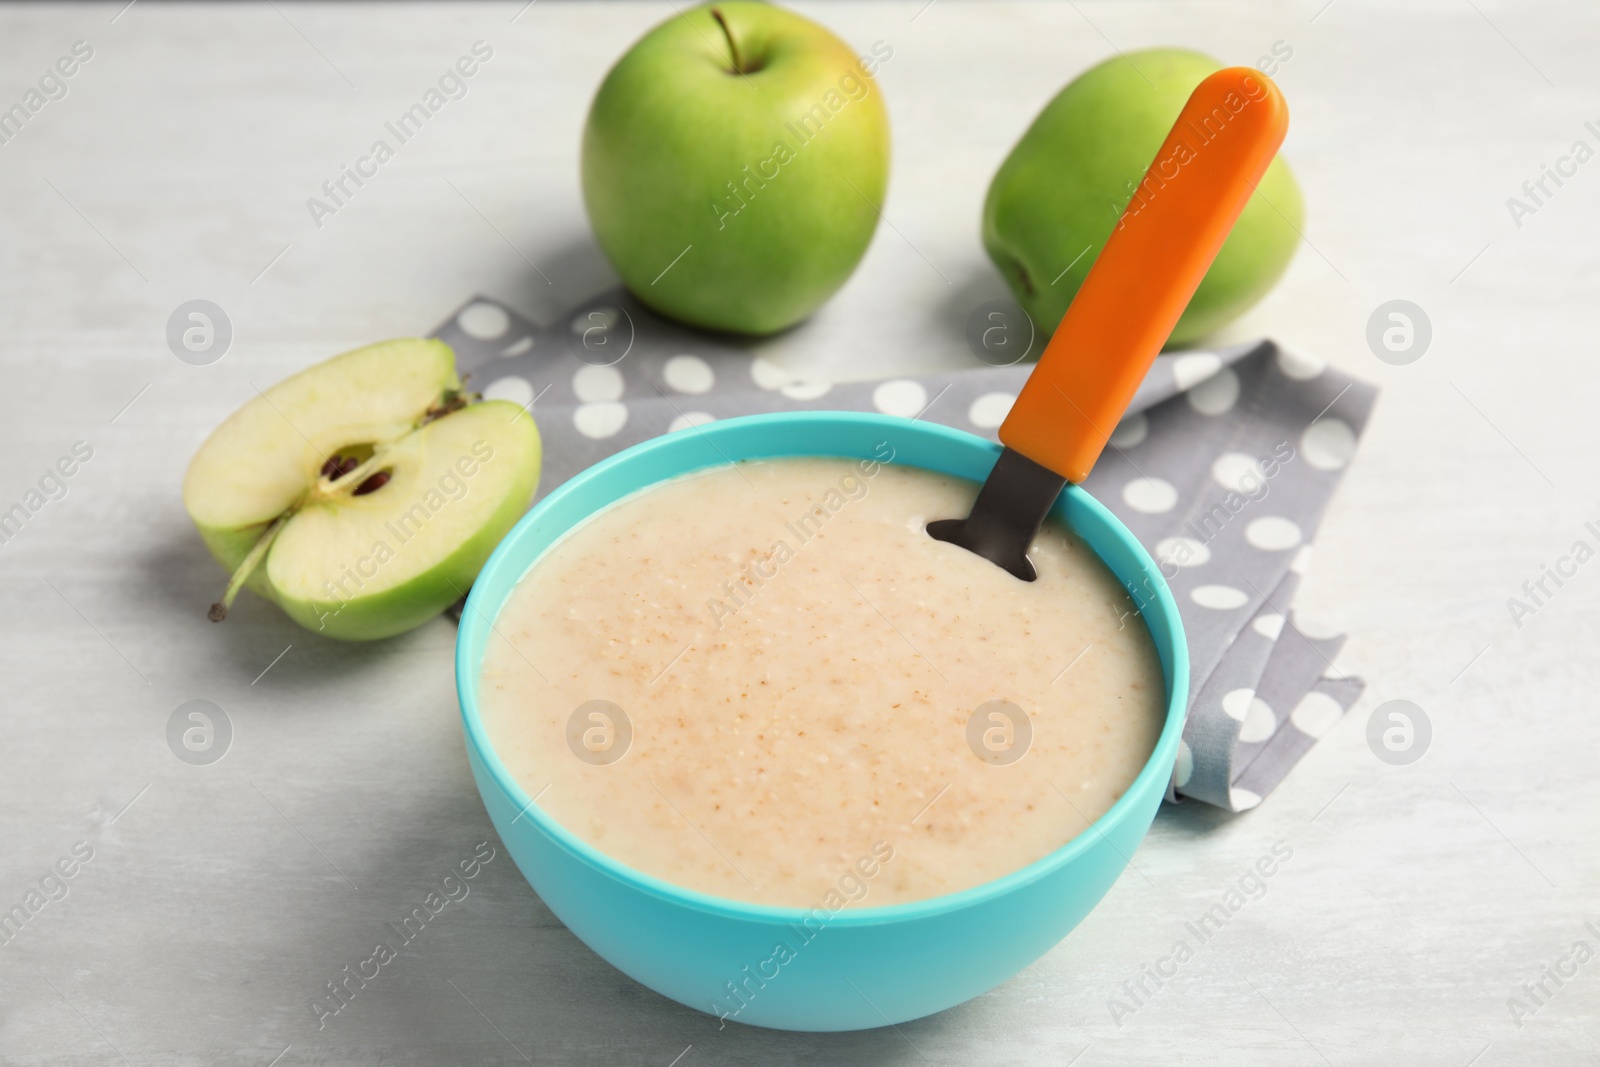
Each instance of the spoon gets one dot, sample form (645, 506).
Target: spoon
(1171, 230)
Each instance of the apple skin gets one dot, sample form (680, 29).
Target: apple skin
(673, 124)
(1067, 180)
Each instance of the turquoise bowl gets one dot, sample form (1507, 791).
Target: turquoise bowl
(849, 969)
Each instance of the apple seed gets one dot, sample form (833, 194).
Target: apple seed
(372, 484)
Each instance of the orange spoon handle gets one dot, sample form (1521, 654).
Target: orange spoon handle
(1151, 265)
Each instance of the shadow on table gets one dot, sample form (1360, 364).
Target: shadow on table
(176, 581)
(559, 280)
(1193, 818)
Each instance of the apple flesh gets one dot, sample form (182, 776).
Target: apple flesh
(364, 494)
(734, 163)
(1058, 195)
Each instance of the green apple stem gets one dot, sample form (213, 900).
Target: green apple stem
(451, 402)
(252, 560)
(733, 47)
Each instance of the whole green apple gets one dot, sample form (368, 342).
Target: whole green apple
(1059, 193)
(363, 494)
(734, 164)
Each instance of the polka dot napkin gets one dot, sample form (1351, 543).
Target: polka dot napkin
(1222, 468)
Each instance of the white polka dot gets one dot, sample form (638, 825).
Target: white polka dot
(518, 348)
(1302, 560)
(1236, 703)
(1183, 769)
(1315, 627)
(1301, 366)
(1270, 533)
(1182, 552)
(1149, 495)
(1268, 626)
(1218, 597)
(601, 419)
(806, 390)
(1259, 722)
(768, 375)
(483, 321)
(1192, 368)
(513, 387)
(1242, 799)
(902, 396)
(1237, 471)
(1328, 444)
(688, 374)
(1216, 395)
(690, 418)
(594, 384)
(1130, 431)
(1316, 714)
(990, 410)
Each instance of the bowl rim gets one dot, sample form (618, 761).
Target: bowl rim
(474, 622)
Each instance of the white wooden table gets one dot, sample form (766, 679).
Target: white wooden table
(220, 899)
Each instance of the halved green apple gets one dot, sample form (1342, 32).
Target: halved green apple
(363, 494)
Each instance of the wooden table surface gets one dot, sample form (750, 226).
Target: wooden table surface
(219, 900)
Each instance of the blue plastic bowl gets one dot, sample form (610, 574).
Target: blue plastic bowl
(855, 968)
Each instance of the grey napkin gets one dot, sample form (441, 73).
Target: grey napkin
(1222, 468)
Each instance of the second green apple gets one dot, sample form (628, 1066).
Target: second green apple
(734, 164)
(1060, 192)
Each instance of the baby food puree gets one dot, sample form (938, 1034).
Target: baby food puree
(765, 681)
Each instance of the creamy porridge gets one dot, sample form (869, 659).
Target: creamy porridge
(767, 682)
